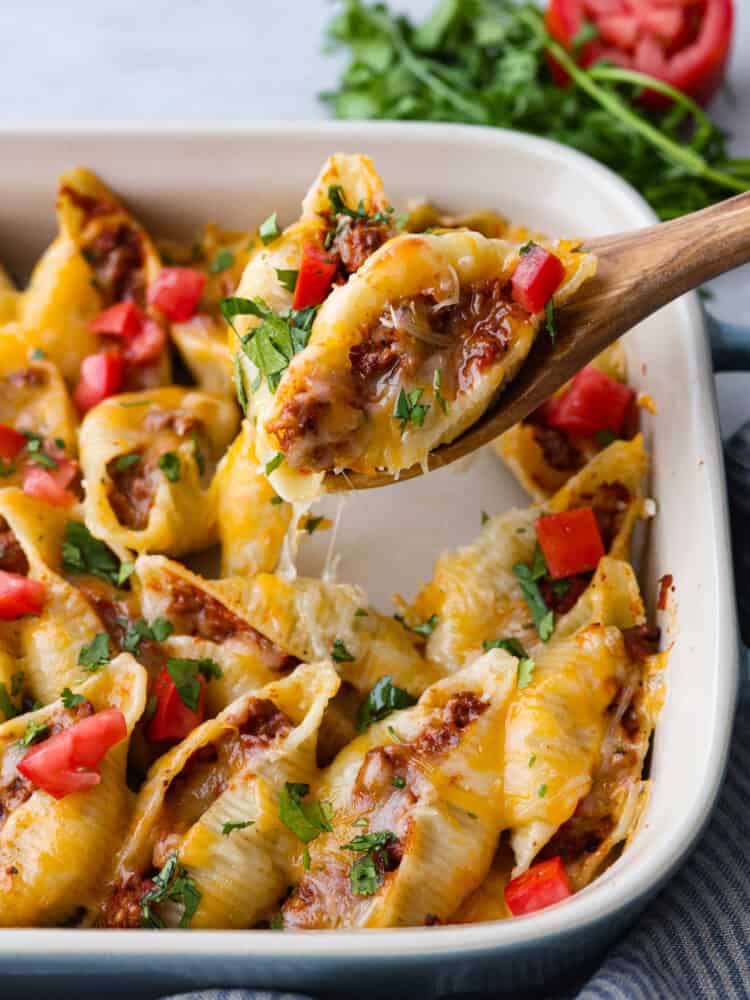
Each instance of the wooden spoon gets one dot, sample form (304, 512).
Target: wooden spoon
(639, 272)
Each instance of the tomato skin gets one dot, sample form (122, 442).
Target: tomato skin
(536, 279)
(146, 346)
(19, 595)
(122, 320)
(11, 442)
(571, 542)
(316, 273)
(176, 292)
(102, 376)
(542, 885)
(64, 763)
(654, 38)
(594, 402)
(173, 720)
(45, 485)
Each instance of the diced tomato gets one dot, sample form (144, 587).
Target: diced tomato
(19, 596)
(65, 762)
(685, 43)
(176, 292)
(594, 402)
(571, 542)
(146, 346)
(11, 442)
(173, 720)
(316, 273)
(45, 485)
(542, 885)
(122, 320)
(101, 377)
(536, 279)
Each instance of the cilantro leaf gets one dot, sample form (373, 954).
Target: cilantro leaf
(123, 462)
(408, 409)
(71, 700)
(437, 384)
(7, 707)
(95, 655)
(367, 873)
(421, 628)
(159, 630)
(549, 320)
(287, 278)
(239, 383)
(169, 463)
(510, 645)
(231, 826)
(525, 673)
(184, 672)
(171, 883)
(383, 699)
(34, 731)
(340, 653)
(273, 463)
(542, 617)
(269, 229)
(306, 820)
(312, 523)
(83, 553)
(222, 261)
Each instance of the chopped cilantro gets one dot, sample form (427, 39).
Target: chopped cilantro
(408, 409)
(172, 883)
(198, 455)
(7, 707)
(311, 523)
(222, 261)
(38, 354)
(269, 229)
(526, 248)
(276, 922)
(239, 383)
(273, 463)
(123, 462)
(340, 653)
(549, 320)
(366, 874)
(437, 380)
(542, 791)
(288, 278)
(485, 517)
(159, 630)
(605, 438)
(399, 782)
(229, 827)
(361, 613)
(71, 700)
(525, 673)
(510, 645)
(95, 655)
(532, 760)
(276, 500)
(169, 463)
(83, 553)
(34, 731)
(542, 617)
(184, 672)
(306, 820)
(383, 699)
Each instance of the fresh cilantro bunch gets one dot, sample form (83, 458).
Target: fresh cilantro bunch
(485, 62)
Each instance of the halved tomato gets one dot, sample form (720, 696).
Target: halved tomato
(19, 596)
(176, 292)
(685, 43)
(316, 273)
(542, 885)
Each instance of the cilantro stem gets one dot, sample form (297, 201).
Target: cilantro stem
(672, 150)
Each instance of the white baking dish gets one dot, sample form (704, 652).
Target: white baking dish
(180, 176)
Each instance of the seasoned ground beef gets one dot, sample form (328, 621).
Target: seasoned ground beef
(559, 451)
(123, 908)
(12, 557)
(117, 257)
(132, 492)
(641, 641)
(356, 240)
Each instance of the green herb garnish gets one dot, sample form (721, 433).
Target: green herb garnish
(366, 874)
(340, 653)
(421, 628)
(542, 617)
(159, 630)
(437, 383)
(169, 463)
(71, 700)
(269, 229)
(7, 707)
(172, 883)
(239, 383)
(95, 654)
(549, 320)
(287, 278)
(34, 731)
(222, 261)
(273, 463)
(408, 409)
(312, 523)
(184, 672)
(123, 462)
(306, 820)
(230, 827)
(82, 553)
(383, 699)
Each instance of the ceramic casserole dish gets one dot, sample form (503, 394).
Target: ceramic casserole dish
(181, 176)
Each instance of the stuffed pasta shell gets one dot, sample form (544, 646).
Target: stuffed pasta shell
(499, 587)
(417, 809)
(210, 813)
(586, 415)
(64, 796)
(405, 356)
(208, 621)
(575, 742)
(89, 295)
(54, 620)
(10, 298)
(148, 462)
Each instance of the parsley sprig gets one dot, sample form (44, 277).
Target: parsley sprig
(485, 62)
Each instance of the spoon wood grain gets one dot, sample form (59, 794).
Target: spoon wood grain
(639, 272)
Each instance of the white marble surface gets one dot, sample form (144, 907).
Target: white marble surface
(223, 60)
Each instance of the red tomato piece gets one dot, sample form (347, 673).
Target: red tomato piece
(101, 377)
(19, 596)
(44, 485)
(316, 273)
(11, 442)
(146, 346)
(64, 763)
(173, 720)
(176, 292)
(542, 885)
(571, 542)
(594, 402)
(122, 320)
(536, 279)
(684, 44)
